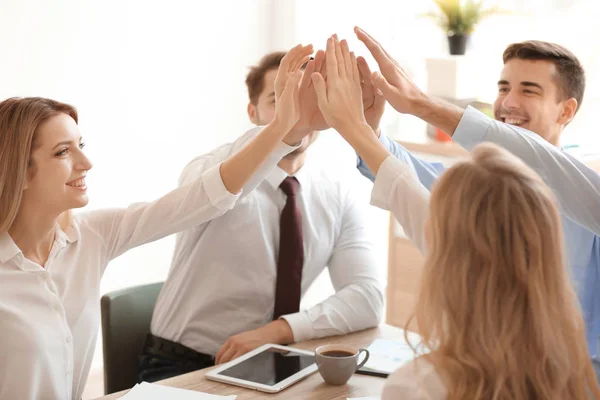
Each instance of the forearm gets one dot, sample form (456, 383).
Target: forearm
(366, 144)
(356, 307)
(427, 172)
(279, 332)
(439, 113)
(238, 169)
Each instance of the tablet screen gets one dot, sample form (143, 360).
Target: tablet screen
(270, 366)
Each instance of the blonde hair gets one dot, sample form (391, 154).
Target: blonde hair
(20, 119)
(496, 306)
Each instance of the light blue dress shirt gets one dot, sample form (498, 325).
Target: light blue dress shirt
(576, 187)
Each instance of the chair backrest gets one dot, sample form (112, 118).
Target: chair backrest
(126, 316)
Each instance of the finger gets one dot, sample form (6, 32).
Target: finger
(303, 57)
(222, 351)
(294, 81)
(379, 101)
(237, 354)
(387, 64)
(295, 57)
(330, 59)
(320, 88)
(292, 84)
(341, 68)
(363, 68)
(299, 63)
(289, 56)
(355, 73)
(382, 84)
(370, 38)
(349, 59)
(319, 61)
(227, 355)
(306, 79)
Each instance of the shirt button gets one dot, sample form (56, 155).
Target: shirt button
(58, 307)
(68, 339)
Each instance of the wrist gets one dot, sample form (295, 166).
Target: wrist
(377, 131)
(441, 114)
(281, 332)
(280, 128)
(295, 136)
(422, 106)
(356, 129)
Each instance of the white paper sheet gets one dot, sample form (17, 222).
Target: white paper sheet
(149, 391)
(387, 355)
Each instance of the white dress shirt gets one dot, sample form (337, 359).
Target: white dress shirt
(49, 315)
(223, 274)
(416, 380)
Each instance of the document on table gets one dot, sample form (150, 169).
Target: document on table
(149, 391)
(387, 355)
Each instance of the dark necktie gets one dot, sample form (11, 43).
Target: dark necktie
(291, 253)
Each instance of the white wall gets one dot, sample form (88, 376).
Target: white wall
(156, 83)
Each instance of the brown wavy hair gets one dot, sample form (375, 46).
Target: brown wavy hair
(496, 306)
(20, 119)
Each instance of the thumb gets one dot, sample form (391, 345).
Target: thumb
(382, 84)
(320, 87)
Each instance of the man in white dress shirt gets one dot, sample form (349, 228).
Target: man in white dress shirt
(236, 282)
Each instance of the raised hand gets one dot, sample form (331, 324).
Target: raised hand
(340, 98)
(397, 88)
(373, 100)
(311, 118)
(287, 99)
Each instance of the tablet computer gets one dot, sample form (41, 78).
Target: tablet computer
(269, 368)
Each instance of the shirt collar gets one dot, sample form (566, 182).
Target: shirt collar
(8, 248)
(69, 235)
(278, 175)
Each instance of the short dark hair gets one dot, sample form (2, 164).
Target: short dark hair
(571, 76)
(255, 80)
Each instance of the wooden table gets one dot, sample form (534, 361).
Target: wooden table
(311, 387)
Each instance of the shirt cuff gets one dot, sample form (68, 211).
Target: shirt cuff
(390, 171)
(284, 149)
(472, 128)
(301, 326)
(217, 193)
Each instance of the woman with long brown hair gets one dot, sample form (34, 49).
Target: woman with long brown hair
(51, 262)
(497, 313)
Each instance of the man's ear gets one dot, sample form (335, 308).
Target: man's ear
(253, 113)
(568, 112)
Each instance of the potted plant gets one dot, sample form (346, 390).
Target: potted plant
(458, 18)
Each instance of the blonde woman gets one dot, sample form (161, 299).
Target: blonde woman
(51, 263)
(496, 308)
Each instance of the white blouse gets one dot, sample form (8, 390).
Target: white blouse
(49, 316)
(416, 380)
(398, 189)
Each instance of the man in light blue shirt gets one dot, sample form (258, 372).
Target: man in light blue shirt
(540, 89)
